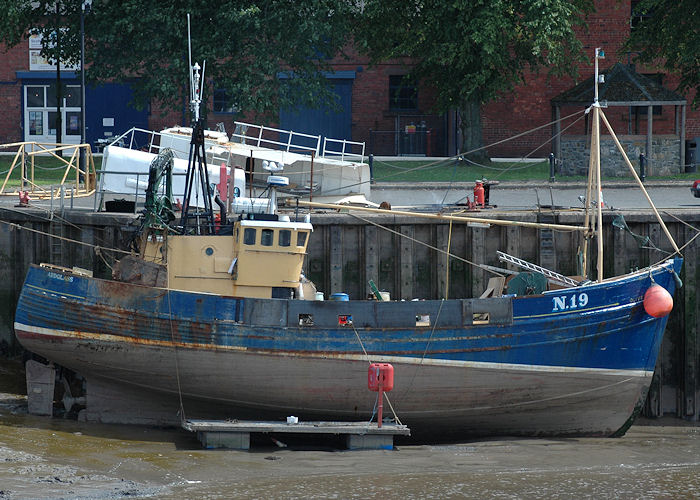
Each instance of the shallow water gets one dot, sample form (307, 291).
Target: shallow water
(59, 458)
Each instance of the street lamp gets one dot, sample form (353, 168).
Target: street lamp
(84, 8)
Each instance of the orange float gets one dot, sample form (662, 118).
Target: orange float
(657, 301)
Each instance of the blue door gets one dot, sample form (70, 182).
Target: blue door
(109, 112)
(323, 121)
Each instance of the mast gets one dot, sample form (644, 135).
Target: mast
(594, 176)
(197, 172)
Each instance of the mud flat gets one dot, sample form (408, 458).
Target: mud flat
(63, 458)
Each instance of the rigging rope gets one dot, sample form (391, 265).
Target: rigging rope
(96, 247)
(480, 266)
(437, 163)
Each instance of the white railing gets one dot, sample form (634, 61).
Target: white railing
(261, 138)
(341, 149)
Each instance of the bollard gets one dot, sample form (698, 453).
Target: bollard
(642, 167)
(551, 167)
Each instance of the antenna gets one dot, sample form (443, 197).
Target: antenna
(196, 79)
(197, 176)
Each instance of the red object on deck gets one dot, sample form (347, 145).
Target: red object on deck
(223, 182)
(657, 301)
(380, 378)
(380, 375)
(24, 198)
(479, 194)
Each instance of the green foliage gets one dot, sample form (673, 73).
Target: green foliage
(22, 18)
(246, 44)
(668, 38)
(473, 50)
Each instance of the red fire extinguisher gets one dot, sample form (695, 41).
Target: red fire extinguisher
(479, 194)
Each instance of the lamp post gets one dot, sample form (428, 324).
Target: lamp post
(84, 8)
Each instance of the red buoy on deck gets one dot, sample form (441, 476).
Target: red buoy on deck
(657, 301)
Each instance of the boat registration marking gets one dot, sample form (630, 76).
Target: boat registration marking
(567, 302)
(568, 311)
(61, 277)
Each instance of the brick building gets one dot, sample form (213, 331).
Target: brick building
(393, 119)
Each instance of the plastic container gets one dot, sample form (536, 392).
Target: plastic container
(386, 296)
(340, 296)
(319, 295)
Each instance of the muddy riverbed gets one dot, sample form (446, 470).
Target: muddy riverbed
(62, 458)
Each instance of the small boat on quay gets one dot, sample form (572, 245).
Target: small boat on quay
(214, 318)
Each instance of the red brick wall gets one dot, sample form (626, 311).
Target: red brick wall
(525, 108)
(530, 104)
(12, 60)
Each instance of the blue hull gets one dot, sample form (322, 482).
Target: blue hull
(576, 361)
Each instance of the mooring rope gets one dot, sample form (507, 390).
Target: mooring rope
(466, 261)
(70, 240)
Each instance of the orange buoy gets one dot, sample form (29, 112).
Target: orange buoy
(657, 301)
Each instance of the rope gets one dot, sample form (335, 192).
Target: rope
(447, 267)
(17, 226)
(437, 163)
(177, 366)
(480, 266)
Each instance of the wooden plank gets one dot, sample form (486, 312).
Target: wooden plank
(371, 255)
(311, 427)
(478, 257)
(442, 277)
(692, 326)
(406, 246)
(336, 259)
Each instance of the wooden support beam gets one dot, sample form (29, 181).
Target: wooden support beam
(639, 182)
(446, 218)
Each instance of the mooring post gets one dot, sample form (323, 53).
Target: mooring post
(642, 167)
(551, 167)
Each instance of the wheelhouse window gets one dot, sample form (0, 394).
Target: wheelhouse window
(301, 238)
(285, 237)
(249, 236)
(403, 93)
(267, 237)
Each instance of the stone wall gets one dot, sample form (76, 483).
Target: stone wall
(665, 159)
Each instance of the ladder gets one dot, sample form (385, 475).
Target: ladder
(550, 275)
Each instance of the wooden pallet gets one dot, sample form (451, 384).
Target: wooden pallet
(235, 434)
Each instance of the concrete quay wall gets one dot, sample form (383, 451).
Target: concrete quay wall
(399, 254)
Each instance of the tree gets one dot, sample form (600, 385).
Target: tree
(57, 23)
(471, 51)
(667, 37)
(246, 45)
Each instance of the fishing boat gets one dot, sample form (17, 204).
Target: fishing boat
(215, 318)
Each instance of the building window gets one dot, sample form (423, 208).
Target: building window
(403, 94)
(637, 15)
(223, 102)
(36, 123)
(35, 97)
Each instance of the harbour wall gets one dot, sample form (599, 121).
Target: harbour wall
(406, 257)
